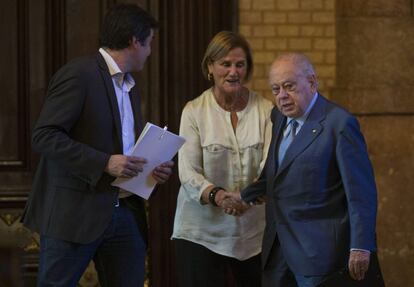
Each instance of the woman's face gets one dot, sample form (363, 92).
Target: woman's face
(229, 72)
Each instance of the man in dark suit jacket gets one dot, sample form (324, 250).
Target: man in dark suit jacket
(89, 122)
(321, 198)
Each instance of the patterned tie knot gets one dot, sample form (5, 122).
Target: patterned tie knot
(294, 125)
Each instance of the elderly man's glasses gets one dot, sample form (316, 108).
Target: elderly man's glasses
(287, 87)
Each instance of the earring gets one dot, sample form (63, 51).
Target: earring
(210, 76)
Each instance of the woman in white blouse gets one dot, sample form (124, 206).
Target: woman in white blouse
(227, 131)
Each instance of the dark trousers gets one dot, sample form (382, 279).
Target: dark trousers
(276, 272)
(119, 256)
(199, 266)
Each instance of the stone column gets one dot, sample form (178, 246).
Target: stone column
(375, 81)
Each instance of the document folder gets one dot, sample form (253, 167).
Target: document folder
(156, 145)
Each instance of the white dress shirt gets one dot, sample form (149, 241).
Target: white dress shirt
(123, 83)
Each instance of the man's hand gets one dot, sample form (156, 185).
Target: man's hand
(120, 165)
(163, 172)
(358, 264)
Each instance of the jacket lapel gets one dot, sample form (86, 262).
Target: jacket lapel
(136, 109)
(111, 96)
(310, 130)
(279, 121)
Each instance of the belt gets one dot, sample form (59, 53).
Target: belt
(123, 194)
(119, 202)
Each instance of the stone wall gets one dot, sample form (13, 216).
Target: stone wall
(276, 26)
(375, 80)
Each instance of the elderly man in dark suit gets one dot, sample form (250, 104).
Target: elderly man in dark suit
(86, 129)
(321, 198)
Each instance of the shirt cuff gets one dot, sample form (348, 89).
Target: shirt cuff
(359, 249)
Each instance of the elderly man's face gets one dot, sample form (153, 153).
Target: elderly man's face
(293, 90)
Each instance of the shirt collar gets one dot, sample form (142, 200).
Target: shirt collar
(301, 120)
(116, 72)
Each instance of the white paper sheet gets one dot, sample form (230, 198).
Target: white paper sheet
(157, 145)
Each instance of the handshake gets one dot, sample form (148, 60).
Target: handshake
(231, 202)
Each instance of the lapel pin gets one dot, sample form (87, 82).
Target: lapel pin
(314, 131)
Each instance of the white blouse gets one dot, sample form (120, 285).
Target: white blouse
(216, 155)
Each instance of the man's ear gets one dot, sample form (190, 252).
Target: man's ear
(134, 41)
(313, 82)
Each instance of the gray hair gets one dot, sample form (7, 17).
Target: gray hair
(300, 60)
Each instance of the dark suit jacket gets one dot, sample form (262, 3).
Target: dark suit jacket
(322, 200)
(77, 131)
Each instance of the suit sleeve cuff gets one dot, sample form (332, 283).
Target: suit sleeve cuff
(359, 249)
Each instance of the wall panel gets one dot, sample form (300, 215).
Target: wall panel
(375, 81)
(14, 84)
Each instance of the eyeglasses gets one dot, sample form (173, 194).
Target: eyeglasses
(287, 87)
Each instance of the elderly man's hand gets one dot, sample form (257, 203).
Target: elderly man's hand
(358, 264)
(232, 204)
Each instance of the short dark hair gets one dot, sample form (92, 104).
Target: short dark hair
(220, 46)
(123, 22)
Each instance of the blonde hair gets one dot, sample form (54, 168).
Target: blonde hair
(221, 44)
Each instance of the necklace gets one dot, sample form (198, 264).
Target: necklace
(233, 103)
